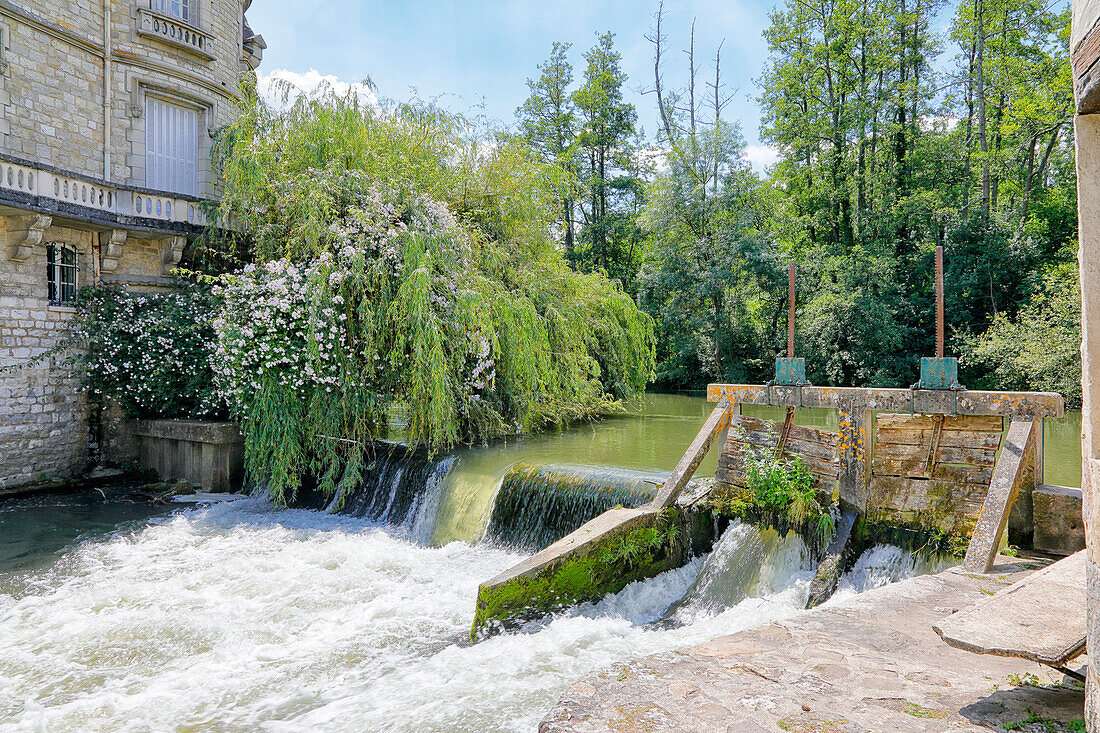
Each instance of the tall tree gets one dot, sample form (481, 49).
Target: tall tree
(609, 170)
(548, 122)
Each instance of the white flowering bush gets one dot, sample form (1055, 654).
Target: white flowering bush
(398, 264)
(152, 353)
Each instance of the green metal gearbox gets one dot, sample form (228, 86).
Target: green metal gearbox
(939, 372)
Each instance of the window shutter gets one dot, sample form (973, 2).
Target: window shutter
(171, 147)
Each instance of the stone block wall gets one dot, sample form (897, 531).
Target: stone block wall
(1087, 129)
(52, 102)
(44, 418)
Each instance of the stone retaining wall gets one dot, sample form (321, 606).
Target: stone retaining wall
(210, 455)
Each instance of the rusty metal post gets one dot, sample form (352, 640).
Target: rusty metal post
(939, 302)
(790, 310)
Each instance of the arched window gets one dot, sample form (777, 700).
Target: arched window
(62, 269)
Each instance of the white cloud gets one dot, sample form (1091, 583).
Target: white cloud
(947, 123)
(273, 85)
(761, 157)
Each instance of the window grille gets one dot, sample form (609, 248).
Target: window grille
(177, 8)
(171, 147)
(62, 271)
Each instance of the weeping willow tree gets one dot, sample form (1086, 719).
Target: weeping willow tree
(400, 258)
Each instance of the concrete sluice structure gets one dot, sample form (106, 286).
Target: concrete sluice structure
(944, 475)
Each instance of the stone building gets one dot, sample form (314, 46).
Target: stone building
(107, 114)
(1085, 51)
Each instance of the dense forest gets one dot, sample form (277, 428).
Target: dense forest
(893, 138)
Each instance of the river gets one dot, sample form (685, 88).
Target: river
(235, 617)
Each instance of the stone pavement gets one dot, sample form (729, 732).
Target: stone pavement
(868, 664)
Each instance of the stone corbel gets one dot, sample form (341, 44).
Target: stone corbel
(173, 253)
(24, 233)
(110, 249)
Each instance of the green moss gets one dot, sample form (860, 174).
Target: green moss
(727, 501)
(874, 530)
(610, 566)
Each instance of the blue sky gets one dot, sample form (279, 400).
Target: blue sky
(482, 52)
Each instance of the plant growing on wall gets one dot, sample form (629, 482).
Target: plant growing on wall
(787, 487)
(149, 352)
(402, 258)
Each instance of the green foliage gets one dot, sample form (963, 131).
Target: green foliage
(884, 155)
(151, 353)
(588, 134)
(1039, 348)
(712, 280)
(786, 487)
(404, 258)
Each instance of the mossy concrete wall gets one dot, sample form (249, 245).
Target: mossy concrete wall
(606, 554)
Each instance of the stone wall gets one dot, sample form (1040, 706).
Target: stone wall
(72, 97)
(1088, 176)
(43, 415)
(52, 106)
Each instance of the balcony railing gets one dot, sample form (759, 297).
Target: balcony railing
(103, 200)
(175, 32)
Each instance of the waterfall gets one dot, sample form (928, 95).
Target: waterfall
(401, 486)
(746, 562)
(539, 504)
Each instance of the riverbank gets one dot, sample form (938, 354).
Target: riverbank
(865, 663)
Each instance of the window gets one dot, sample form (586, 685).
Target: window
(61, 274)
(171, 147)
(178, 8)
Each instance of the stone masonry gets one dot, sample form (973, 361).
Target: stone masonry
(1085, 59)
(74, 78)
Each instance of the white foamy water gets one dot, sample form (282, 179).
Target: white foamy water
(881, 565)
(234, 617)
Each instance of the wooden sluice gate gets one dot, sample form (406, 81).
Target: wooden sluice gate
(936, 460)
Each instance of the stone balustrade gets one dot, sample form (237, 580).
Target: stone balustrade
(59, 191)
(175, 32)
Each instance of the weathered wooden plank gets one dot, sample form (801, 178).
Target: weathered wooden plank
(1012, 469)
(1042, 618)
(917, 467)
(963, 402)
(964, 456)
(932, 492)
(948, 438)
(966, 423)
(714, 427)
(758, 431)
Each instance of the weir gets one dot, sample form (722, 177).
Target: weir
(936, 465)
(400, 486)
(539, 504)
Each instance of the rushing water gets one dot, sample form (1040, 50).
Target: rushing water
(234, 617)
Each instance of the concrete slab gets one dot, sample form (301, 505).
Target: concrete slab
(870, 663)
(1041, 618)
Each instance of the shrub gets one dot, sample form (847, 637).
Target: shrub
(401, 261)
(149, 352)
(1039, 349)
(786, 487)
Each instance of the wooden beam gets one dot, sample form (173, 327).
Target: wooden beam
(715, 426)
(852, 418)
(926, 401)
(1013, 468)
